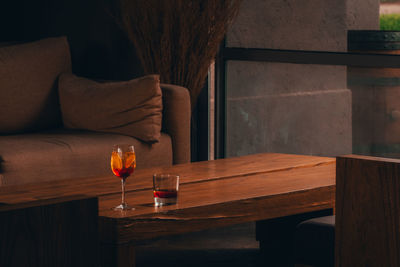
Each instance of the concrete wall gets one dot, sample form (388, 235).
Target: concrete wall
(290, 108)
(363, 14)
(290, 24)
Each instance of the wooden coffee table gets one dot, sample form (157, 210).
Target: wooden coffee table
(212, 194)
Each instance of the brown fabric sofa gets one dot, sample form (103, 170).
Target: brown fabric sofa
(36, 146)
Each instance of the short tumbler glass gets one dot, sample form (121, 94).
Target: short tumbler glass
(165, 189)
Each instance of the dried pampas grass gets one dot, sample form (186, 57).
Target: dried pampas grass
(177, 39)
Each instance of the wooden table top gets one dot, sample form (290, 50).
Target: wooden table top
(211, 194)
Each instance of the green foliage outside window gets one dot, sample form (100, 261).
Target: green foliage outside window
(390, 22)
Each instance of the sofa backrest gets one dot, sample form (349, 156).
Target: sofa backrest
(28, 80)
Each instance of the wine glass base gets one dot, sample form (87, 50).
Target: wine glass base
(123, 206)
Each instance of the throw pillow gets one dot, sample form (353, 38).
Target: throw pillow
(131, 108)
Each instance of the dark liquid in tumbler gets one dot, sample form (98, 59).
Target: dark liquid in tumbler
(165, 193)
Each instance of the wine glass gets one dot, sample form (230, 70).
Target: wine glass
(123, 163)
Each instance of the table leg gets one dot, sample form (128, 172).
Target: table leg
(118, 255)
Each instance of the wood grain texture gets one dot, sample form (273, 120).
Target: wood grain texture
(142, 179)
(220, 202)
(367, 211)
(56, 232)
(212, 193)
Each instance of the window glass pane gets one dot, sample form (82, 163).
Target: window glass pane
(288, 108)
(364, 37)
(316, 25)
(389, 15)
(376, 110)
(312, 109)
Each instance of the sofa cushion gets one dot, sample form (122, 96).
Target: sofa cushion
(67, 154)
(28, 80)
(131, 108)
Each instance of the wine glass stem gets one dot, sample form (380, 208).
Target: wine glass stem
(123, 192)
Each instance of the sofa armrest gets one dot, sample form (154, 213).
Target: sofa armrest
(176, 120)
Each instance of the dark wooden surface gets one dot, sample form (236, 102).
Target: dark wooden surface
(367, 211)
(54, 232)
(221, 202)
(212, 194)
(191, 173)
